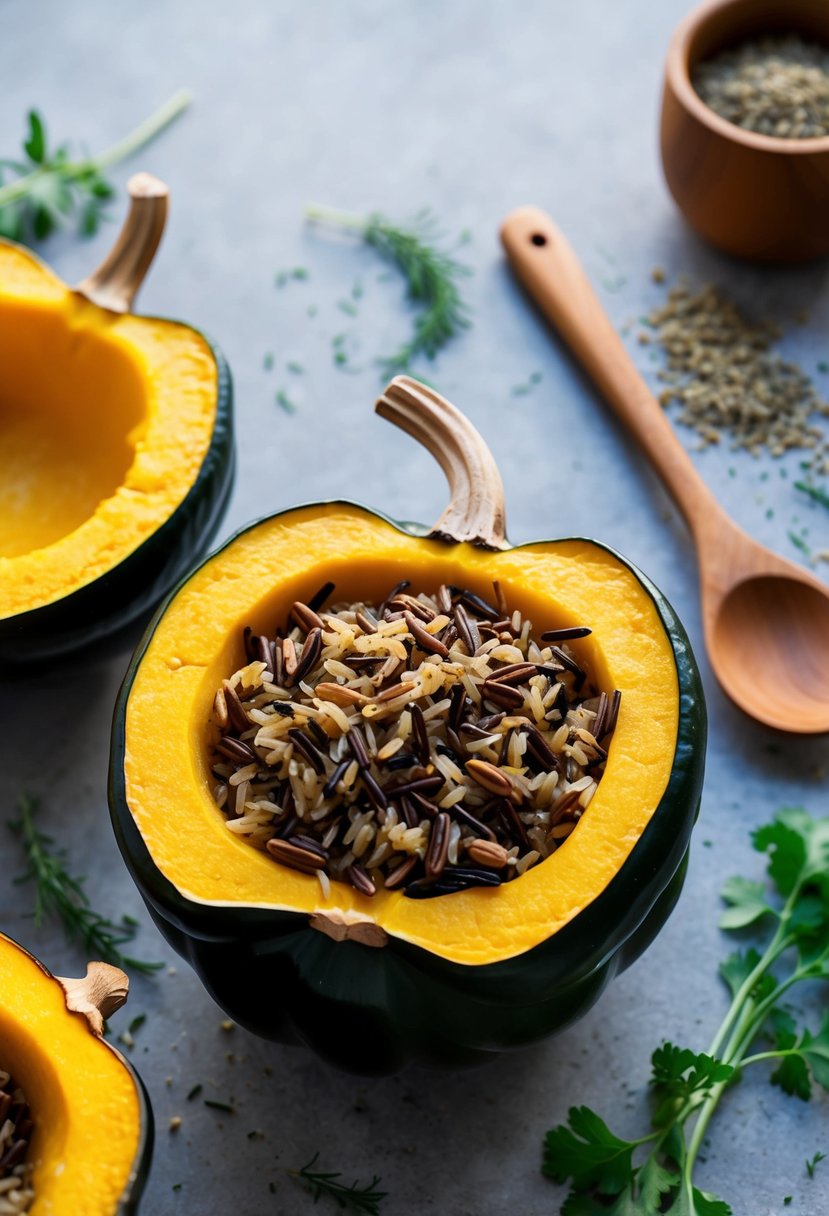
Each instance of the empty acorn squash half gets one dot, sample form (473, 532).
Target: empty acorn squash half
(91, 1143)
(369, 981)
(116, 434)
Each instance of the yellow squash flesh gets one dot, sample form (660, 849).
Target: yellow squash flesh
(254, 579)
(93, 407)
(84, 1101)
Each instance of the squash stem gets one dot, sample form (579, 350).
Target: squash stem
(476, 512)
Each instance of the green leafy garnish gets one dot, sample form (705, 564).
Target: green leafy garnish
(59, 894)
(284, 402)
(655, 1174)
(352, 1198)
(813, 1162)
(816, 494)
(49, 188)
(432, 276)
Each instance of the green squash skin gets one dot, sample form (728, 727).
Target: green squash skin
(131, 589)
(370, 1010)
(130, 1201)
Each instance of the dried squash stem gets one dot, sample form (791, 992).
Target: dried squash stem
(476, 511)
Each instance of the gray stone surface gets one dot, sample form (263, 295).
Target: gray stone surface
(470, 109)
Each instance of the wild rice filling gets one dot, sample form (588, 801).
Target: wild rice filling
(431, 743)
(16, 1126)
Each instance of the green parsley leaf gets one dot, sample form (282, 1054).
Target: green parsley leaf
(588, 1152)
(747, 903)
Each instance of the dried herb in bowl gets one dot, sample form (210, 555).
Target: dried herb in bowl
(777, 86)
(432, 743)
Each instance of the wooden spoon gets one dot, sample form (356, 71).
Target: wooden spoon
(766, 620)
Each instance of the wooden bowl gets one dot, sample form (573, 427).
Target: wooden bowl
(752, 195)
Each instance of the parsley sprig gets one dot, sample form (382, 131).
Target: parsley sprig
(351, 1198)
(609, 1174)
(432, 278)
(58, 893)
(49, 187)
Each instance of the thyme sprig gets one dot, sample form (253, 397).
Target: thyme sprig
(58, 893)
(432, 278)
(50, 187)
(351, 1198)
(688, 1086)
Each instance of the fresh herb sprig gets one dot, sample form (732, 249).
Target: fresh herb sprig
(50, 188)
(352, 1198)
(688, 1086)
(58, 893)
(432, 278)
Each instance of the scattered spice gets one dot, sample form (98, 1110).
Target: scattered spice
(283, 277)
(725, 377)
(175, 1123)
(284, 401)
(776, 86)
(431, 743)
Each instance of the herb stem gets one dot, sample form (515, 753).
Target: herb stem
(318, 213)
(138, 138)
(144, 132)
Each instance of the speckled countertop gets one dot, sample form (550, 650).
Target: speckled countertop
(470, 109)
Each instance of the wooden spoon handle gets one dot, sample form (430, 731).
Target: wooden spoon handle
(552, 275)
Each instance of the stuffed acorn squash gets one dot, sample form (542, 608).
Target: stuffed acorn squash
(370, 979)
(85, 1150)
(116, 434)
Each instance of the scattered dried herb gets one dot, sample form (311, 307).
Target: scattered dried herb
(688, 1086)
(194, 1092)
(284, 401)
(432, 278)
(813, 1162)
(349, 1198)
(725, 377)
(224, 1106)
(59, 894)
(816, 494)
(776, 86)
(49, 188)
(298, 274)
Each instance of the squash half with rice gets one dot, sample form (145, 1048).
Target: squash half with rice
(370, 981)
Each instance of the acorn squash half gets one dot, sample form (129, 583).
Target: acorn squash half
(92, 1138)
(117, 443)
(367, 981)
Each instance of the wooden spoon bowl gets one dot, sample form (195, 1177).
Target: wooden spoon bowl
(766, 620)
(752, 195)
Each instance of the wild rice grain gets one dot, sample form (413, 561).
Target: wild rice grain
(432, 745)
